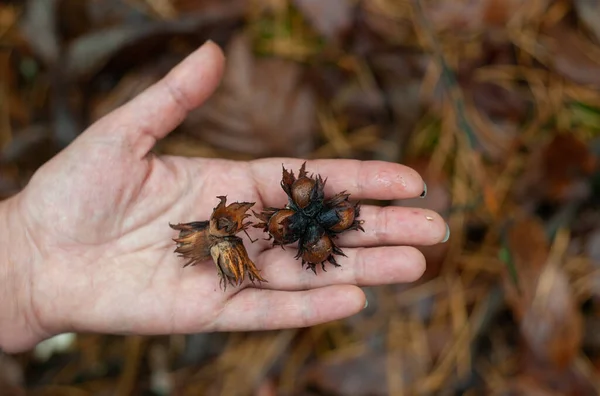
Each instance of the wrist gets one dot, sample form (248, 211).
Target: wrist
(20, 327)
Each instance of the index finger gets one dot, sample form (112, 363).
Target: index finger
(378, 180)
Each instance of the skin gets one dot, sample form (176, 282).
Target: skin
(86, 246)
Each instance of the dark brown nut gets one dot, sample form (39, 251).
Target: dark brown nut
(302, 190)
(318, 251)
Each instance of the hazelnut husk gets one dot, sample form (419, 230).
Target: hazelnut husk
(215, 239)
(310, 219)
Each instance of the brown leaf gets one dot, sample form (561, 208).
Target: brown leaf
(331, 18)
(565, 160)
(262, 108)
(571, 54)
(552, 323)
(557, 172)
(499, 103)
(544, 304)
(588, 12)
(470, 16)
(362, 375)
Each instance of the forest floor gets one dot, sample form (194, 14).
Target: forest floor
(495, 102)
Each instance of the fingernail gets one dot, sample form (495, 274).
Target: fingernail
(447, 233)
(424, 193)
(366, 304)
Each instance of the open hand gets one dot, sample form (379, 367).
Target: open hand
(91, 249)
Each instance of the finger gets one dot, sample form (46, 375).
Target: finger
(395, 225)
(361, 267)
(362, 179)
(260, 309)
(163, 106)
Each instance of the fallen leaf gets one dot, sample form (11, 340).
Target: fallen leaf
(262, 108)
(500, 104)
(356, 376)
(331, 18)
(376, 28)
(463, 17)
(557, 172)
(588, 12)
(543, 303)
(570, 54)
(552, 323)
(566, 159)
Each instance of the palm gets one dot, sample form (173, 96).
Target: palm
(102, 210)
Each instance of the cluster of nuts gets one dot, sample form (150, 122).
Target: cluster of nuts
(309, 219)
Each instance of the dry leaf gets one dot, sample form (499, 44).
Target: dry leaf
(571, 54)
(552, 323)
(470, 16)
(331, 18)
(544, 304)
(354, 376)
(262, 108)
(557, 172)
(588, 12)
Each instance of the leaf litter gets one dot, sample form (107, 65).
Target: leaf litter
(495, 103)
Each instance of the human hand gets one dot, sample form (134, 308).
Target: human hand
(90, 247)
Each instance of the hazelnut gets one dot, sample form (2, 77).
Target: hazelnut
(302, 190)
(318, 251)
(279, 226)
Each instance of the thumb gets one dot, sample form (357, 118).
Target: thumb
(163, 106)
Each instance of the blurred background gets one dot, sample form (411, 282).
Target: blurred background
(495, 102)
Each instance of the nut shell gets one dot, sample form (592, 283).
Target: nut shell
(346, 214)
(302, 190)
(278, 225)
(318, 251)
